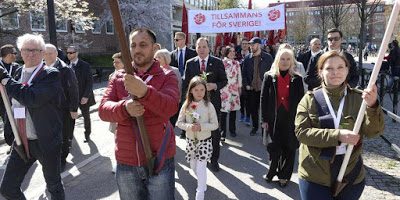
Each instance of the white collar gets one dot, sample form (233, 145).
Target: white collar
(183, 48)
(314, 54)
(206, 59)
(31, 69)
(75, 62)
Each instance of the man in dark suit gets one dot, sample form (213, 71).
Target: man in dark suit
(335, 39)
(216, 80)
(70, 101)
(36, 104)
(315, 48)
(8, 56)
(254, 67)
(179, 56)
(85, 85)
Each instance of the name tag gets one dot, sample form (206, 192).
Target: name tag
(19, 113)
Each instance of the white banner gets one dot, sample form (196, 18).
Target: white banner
(236, 20)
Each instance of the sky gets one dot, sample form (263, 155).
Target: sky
(259, 4)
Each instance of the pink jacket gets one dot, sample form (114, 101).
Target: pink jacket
(160, 103)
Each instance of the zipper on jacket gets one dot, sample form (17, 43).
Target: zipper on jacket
(276, 106)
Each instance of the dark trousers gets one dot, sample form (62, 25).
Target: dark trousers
(313, 191)
(215, 139)
(232, 122)
(68, 134)
(244, 105)
(17, 168)
(86, 118)
(254, 106)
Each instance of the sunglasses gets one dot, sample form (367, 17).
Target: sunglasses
(334, 39)
(71, 52)
(176, 40)
(15, 53)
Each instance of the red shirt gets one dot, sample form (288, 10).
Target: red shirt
(283, 91)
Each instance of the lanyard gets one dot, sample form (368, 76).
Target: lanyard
(336, 117)
(9, 72)
(38, 69)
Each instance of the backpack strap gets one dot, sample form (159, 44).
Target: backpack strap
(326, 121)
(161, 156)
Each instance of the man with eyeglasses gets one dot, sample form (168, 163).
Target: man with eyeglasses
(8, 58)
(335, 39)
(85, 86)
(36, 99)
(179, 56)
(70, 102)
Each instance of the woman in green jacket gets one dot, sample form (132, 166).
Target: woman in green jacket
(323, 125)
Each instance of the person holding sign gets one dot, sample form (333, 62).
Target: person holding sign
(323, 125)
(36, 105)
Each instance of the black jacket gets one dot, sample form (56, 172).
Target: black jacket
(217, 74)
(43, 100)
(189, 54)
(268, 104)
(312, 79)
(248, 67)
(69, 85)
(304, 58)
(85, 81)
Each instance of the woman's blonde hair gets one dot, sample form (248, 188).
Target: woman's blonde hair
(164, 54)
(275, 65)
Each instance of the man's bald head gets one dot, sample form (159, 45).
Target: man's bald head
(315, 45)
(50, 54)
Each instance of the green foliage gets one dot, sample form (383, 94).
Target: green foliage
(104, 60)
(226, 4)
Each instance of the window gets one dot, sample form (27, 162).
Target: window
(61, 25)
(10, 21)
(79, 28)
(110, 27)
(96, 27)
(37, 21)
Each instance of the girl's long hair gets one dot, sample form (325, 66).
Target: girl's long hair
(195, 81)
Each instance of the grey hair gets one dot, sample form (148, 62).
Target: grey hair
(28, 37)
(164, 53)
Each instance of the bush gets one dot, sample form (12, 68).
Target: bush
(104, 60)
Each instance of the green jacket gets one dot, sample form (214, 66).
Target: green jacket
(312, 138)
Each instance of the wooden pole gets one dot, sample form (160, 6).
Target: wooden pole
(18, 144)
(127, 60)
(388, 34)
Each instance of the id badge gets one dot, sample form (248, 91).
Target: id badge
(19, 113)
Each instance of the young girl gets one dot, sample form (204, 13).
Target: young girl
(198, 118)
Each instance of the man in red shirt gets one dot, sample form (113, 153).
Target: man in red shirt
(157, 98)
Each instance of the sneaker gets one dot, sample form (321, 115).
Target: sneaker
(222, 139)
(247, 121)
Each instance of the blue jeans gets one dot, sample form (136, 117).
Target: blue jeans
(134, 183)
(314, 191)
(17, 168)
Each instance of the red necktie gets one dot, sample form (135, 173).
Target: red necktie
(203, 66)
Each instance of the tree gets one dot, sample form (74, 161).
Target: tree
(366, 9)
(322, 19)
(338, 10)
(75, 11)
(152, 14)
(226, 4)
(301, 26)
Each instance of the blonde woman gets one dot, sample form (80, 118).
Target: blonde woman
(282, 90)
(164, 57)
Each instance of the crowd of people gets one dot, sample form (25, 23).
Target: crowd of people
(307, 101)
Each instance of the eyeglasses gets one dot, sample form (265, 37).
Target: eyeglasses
(71, 52)
(334, 39)
(176, 40)
(31, 50)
